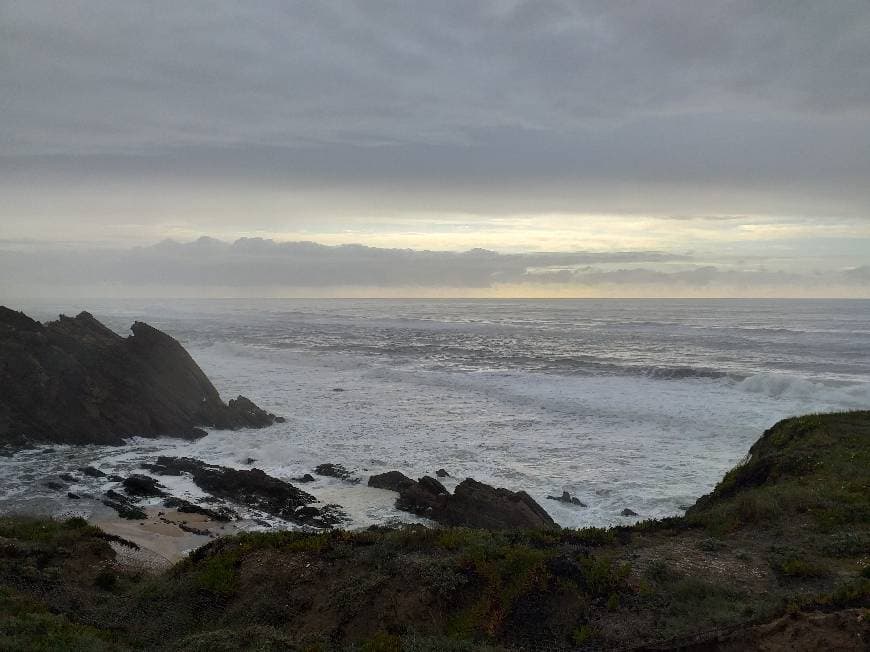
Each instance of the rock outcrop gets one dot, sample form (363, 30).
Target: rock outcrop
(252, 488)
(74, 381)
(473, 504)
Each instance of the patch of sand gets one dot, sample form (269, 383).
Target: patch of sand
(160, 537)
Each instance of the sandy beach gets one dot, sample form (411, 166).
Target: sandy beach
(166, 536)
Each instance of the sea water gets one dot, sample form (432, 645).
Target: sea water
(639, 404)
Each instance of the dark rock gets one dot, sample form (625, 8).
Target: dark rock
(249, 461)
(567, 498)
(246, 487)
(223, 514)
(70, 494)
(74, 381)
(92, 472)
(391, 480)
(335, 471)
(442, 473)
(194, 530)
(54, 485)
(628, 512)
(114, 478)
(473, 504)
(68, 477)
(142, 485)
(114, 495)
(123, 505)
(304, 478)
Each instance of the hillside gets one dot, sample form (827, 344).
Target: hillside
(776, 557)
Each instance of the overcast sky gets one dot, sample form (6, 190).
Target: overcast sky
(662, 148)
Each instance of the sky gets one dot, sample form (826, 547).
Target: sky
(453, 148)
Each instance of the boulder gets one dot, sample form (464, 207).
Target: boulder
(391, 480)
(124, 506)
(473, 504)
(74, 381)
(68, 477)
(335, 471)
(142, 485)
(628, 512)
(223, 514)
(92, 472)
(442, 473)
(54, 485)
(568, 498)
(304, 478)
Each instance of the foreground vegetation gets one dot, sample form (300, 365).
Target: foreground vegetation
(786, 532)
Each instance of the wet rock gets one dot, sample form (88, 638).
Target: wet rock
(70, 494)
(74, 381)
(628, 512)
(68, 477)
(335, 471)
(142, 485)
(124, 506)
(568, 498)
(248, 461)
(252, 488)
(54, 485)
(304, 478)
(391, 480)
(473, 504)
(92, 472)
(442, 473)
(223, 514)
(204, 532)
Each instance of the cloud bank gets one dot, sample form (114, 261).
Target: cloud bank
(260, 267)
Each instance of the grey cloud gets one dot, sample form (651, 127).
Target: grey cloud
(101, 75)
(254, 263)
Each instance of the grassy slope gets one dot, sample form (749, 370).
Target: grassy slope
(788, 530)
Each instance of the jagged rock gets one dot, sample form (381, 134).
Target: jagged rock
(74, 381)
(335, 471)
(223, 514)
(142, 485)
(391, 480)
(473, 504)
(251, 487)
(92, 472)
(628, 512)
(442, 473)
(568, 498)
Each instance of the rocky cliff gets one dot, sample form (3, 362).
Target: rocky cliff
(75, 381)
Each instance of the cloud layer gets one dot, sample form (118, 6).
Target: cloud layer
(258, 267)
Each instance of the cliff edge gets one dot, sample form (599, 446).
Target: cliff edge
(74, 381)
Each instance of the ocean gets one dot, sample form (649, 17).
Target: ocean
(638, 404)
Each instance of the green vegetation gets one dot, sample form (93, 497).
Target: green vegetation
(785, 531)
